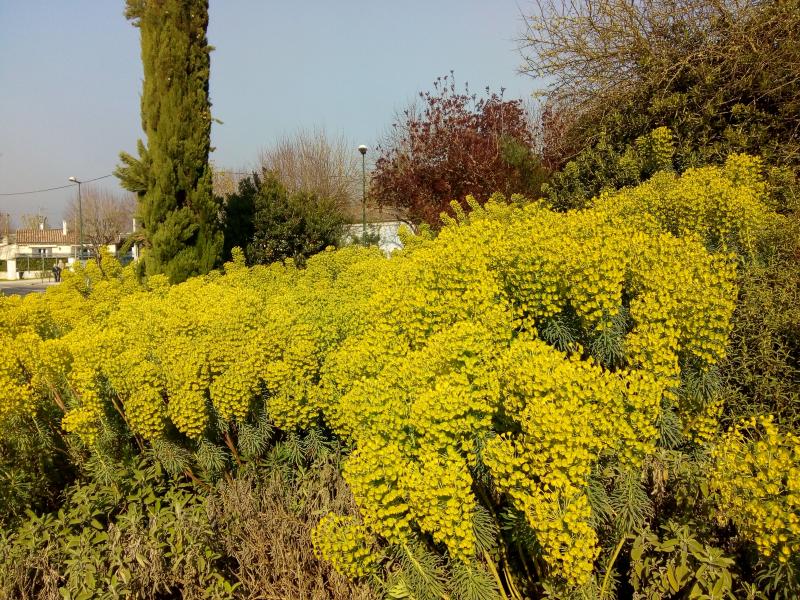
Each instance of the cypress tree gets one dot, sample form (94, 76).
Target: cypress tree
(172, 176)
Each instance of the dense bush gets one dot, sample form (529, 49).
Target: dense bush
(604, 167)
(520, 395)
(136, 538)
(272, 223)
(722, 76)
(761, 373)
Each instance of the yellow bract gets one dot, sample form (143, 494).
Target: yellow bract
(757, 479)
(430, 362)
(346, 544)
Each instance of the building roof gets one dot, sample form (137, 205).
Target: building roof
(51, 237)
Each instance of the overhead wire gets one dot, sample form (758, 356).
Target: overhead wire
(61, 187)
(69, 185)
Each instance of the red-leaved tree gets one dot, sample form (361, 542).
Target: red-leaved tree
(452, 145)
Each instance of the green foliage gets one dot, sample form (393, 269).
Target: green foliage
(139, 533)
(609, 165)
(471, 581)
(34, 468)
(136, 537)
(238, 210)
(291, 225)
(629, 502)
(172, 176)
(253, 439)
(272, 224)
(737, 92)
(678, 565)
(777, 580)
(522, 158)
(421, 575)
(761, 374)
(372, 237)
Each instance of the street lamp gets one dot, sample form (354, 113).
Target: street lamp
(80, 214)
(363, 149)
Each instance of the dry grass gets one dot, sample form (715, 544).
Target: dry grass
(253, 530)
(265, 523)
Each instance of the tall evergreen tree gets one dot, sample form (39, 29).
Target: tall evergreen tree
(172, 176)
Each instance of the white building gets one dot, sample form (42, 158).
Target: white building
(25, 251)
(31, 253)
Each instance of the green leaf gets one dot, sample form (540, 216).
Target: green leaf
(100, 537)
(636, 551)
(399, 591)
(696, 548)
(718, 588)
(673, 582)
(682, 574)
(668, 546)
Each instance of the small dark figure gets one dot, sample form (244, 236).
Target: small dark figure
(57, 273)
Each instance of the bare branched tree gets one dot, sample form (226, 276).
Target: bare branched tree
(226, 181)
(697, 66)
(312, 161)
(107, 215)
(5, 224)
(591, 48)
(33, 221)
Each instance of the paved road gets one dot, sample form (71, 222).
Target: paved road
(21, 288)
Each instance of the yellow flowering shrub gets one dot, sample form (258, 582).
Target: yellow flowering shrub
(16, 392)
(440, 492)
(569, 410)
(725, 206)
(523, 342)
(346, 545)
(146, 412)
(756, 477)
(377, 474)
(84, 418)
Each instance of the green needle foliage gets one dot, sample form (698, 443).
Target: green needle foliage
(172, 176)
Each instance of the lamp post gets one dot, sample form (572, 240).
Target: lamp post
(80, 215)
(363, 149)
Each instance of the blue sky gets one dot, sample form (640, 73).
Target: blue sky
(70, 77)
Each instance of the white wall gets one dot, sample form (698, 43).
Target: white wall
(54, 251)
(389, 240)
(11, 269)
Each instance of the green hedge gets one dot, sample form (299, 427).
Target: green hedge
(35, 263)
